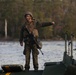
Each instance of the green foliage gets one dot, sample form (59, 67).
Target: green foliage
(63, 12)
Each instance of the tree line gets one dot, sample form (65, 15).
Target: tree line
(62, 12)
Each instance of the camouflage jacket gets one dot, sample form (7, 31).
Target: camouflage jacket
(31, 26)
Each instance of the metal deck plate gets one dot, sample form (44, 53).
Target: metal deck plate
(58, 69)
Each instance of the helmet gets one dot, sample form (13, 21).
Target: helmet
(28, 13)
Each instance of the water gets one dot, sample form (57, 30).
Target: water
(12, 53)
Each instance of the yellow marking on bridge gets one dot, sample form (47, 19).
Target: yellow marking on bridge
(8, 73)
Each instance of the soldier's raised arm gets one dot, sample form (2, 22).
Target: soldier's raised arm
(44, 24)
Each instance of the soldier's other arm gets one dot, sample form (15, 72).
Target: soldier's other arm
(21, 36)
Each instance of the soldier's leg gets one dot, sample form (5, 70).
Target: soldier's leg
(35, 57)
(27, 57)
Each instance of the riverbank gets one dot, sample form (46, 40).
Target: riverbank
(17, 39)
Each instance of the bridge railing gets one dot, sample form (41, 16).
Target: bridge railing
(68, 54)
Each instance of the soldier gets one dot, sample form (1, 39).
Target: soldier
(30, 46)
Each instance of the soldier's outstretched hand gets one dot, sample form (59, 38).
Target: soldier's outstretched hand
(53, 23)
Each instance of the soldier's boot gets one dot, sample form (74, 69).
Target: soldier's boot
(36, 69)
(27, 68)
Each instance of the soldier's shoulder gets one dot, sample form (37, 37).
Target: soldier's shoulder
(36, 22)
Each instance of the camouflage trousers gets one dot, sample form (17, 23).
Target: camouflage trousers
(31, 49)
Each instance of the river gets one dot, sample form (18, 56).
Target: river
(12, 53)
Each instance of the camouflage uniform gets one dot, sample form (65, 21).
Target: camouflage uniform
(30, 46)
